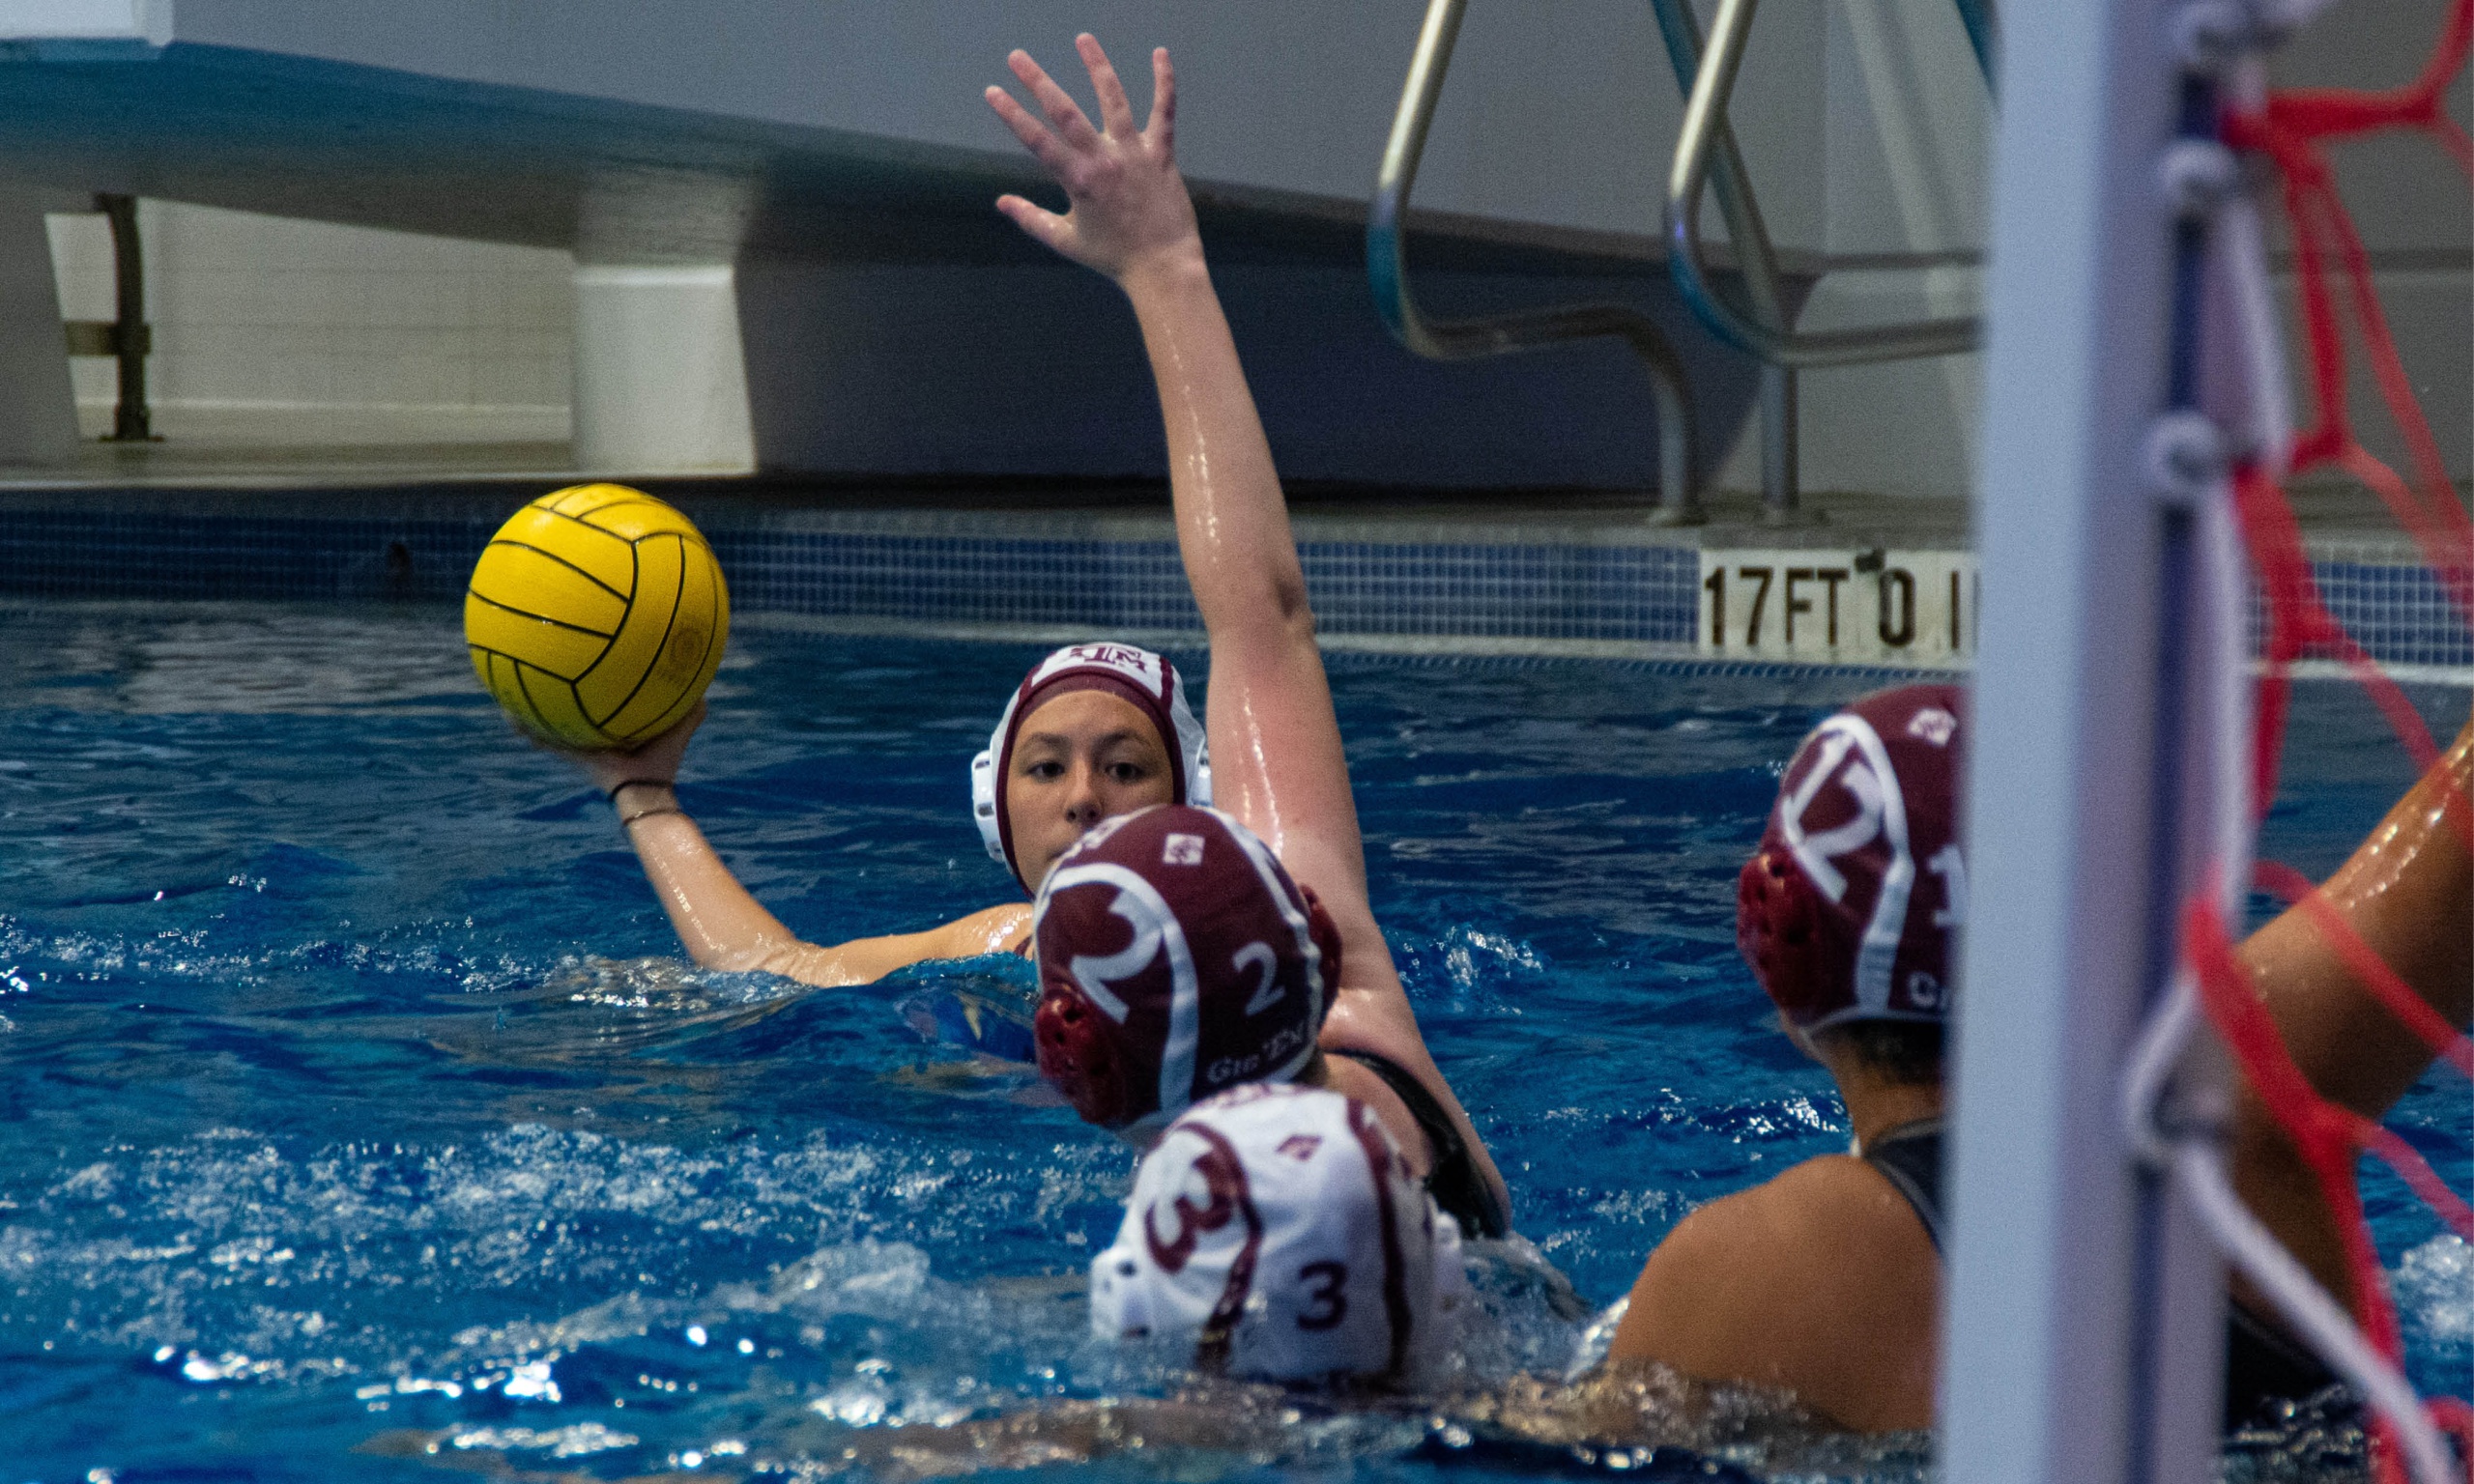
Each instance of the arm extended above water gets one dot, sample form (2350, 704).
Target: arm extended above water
(1276, 754)
(725, 927)
(2408, 893)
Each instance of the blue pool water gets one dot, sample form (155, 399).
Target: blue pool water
(361, 1116)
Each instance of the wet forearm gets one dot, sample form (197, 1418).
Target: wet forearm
(1232, 525)
(724, 928)
(2409, 894)
(720, 924)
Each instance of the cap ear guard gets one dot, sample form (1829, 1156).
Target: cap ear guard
(983, 800)
(1077, 1057)
(1785, 936)
(1120, 1300)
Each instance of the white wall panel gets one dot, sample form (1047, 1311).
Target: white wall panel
(305, 332)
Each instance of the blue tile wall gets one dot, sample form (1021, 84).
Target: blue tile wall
(953, 567)
(2401, 614)
(124, 553)
(937, 579)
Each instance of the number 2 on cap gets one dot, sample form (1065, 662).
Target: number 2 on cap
(1259, 956)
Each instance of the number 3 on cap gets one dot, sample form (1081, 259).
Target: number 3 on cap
(1329, 1296)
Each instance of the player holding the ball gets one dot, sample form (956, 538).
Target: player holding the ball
(1101, 731)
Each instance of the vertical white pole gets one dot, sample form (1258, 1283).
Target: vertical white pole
(2085, 1322)
(38, 405)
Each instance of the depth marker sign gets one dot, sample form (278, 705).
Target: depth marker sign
(1913, 608)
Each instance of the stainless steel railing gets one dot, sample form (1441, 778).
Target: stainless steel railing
(1703, 154)
(1708, 160)
(1387, 269)
(1757, 261)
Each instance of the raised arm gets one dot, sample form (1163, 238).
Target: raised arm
(1275, 743)
(1276, 755)
(720, 923)
(2409, 893)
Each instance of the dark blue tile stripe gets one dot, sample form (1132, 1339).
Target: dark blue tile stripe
(1559, 591)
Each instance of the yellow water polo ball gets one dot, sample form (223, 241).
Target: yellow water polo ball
(597, 616)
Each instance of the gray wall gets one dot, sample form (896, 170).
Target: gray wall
(1864, 121)
(1040, 370)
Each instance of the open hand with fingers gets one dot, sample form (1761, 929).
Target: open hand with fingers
(1128, 212)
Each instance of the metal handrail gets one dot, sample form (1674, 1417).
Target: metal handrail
(1704, 124)
(1387, 269)
(1757, 262)
(1731, 182)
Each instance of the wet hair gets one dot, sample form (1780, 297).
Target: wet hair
(1906, 1053)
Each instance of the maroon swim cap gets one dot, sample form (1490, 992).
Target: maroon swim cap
(1847, 910)
(1176, 958)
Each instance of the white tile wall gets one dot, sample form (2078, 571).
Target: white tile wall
(269, 329)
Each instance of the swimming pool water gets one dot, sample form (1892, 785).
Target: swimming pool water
(362, 1116)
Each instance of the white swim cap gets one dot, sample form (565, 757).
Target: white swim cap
(1129, 672)
(1279, 1228)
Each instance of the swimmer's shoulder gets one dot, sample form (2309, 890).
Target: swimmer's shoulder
(1822, 1282)
(997, 929)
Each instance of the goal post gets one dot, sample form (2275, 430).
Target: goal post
(2084, 1329)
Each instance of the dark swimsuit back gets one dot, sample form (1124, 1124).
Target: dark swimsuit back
(2262, 1368)
(1453, 1180)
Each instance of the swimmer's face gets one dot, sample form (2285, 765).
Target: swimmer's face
(1082, 757)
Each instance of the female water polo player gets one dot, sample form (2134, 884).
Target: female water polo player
(1278, 1230)
(1825, 1281)
(1276, 1242)
(1106, 731)
(1275, 741)
(1178, 960)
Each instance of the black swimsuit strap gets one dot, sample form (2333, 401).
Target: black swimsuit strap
(1454, 1180)
(2262, 1367)
(1909, 1158)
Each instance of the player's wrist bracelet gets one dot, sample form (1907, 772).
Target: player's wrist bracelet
(639, 782)
(626, 820)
